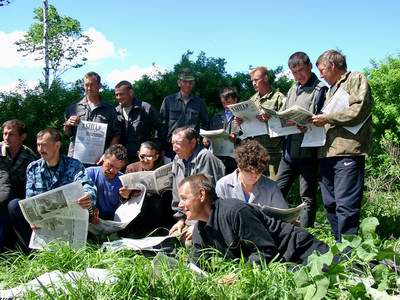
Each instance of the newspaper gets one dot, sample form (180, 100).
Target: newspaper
(279, 127)
(314, 136)
(145, 244)
(340, 102)
(125, 214)
(221, 145)
(248, 112)
(57, 216)
(285, 214)
(295, 113)
(58, 281)
(154, 181)
(89, 141)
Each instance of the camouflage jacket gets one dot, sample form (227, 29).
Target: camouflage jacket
(339, 140)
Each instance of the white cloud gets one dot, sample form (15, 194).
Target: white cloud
(101, 47)
(18, 86)
(10, 57)
(133, 73)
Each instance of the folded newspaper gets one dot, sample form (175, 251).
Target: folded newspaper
(146, 244)
(124, 214)
(154, 181)
(285, 214)
(57, 216)
(295, 113)
(221, 145)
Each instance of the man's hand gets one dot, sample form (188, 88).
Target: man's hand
(95, 219)
(263, 117)
(320, 120)
(124, 192)
(233, 137)
(84, 201)
(187, 233)
(238, 121)
(73, 121)
(177, 228)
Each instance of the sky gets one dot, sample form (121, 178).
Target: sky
(129, 36)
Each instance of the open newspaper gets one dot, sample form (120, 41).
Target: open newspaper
(154, 181)
(295, 113)
(124, 214)
(57, 216)
(221, 145)
(89, 141)
(248, 112)
(285, 214)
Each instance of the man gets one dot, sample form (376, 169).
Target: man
(225, 120)
(190, 159)
(184, 108)
(52, 170)
(110, 192)
(309, 93)
(14, 158)
(238, 230)
(348, 140)
(139, 120)
(16, 154)
(92, 108)
(156, 210)
(266, 97)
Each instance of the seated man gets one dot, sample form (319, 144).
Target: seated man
(156, 211)
(247, 182)
(190, 159)
(110, 192)
(52, 170)
(237, 229)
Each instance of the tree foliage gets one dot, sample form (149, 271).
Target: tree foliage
(67, 44)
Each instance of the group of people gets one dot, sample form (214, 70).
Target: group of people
(214, 200)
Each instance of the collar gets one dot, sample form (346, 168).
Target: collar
(85, 102)
(178, 96)
(309, 84)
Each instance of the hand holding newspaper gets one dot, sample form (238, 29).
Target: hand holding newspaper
(285, 214)
(125, 214)
(154, 181)
(57, 216)
(295, 113)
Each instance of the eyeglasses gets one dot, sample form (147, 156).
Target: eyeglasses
(146, 157)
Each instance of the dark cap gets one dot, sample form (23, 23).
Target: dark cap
(186, 74)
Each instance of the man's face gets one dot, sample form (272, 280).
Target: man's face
(327, 73)
(124, 95)
(182, 146)
(186, 86)
(147, 157)
(111, 166)
(12, 138)
(301, 73)
(259, 81)
(227, 101)
(249, 177)
(191, 205)
(91, 86)
(47, 147)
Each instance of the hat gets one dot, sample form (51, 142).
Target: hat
(186, 74)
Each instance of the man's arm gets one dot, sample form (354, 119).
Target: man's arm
(88, 185)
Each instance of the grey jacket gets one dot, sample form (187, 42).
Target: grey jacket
(203, 162)
(265, 191)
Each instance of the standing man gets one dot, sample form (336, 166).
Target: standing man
(309, 93)
(92, 108)
(348, 140)
(139, 120)
(184, 108)
(52, 170)
(266, 97)
(190, 159)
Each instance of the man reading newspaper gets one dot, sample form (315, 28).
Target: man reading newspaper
(51, 171)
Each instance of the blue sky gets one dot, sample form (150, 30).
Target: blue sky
(131, 35)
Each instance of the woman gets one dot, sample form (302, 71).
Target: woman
(247, 182)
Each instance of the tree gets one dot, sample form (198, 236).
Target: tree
(66, 43)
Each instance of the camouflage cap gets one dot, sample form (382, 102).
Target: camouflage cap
(186, 74)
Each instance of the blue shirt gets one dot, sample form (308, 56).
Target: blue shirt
(108, 198)
(40, 179)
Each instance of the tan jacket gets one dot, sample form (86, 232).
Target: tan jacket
(340, 141)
